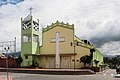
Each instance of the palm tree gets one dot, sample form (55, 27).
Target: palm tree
(96, 62)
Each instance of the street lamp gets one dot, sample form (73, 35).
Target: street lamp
(74, 44)
(6, 49)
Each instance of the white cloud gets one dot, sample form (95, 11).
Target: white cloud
(93, 19)
(111, 47)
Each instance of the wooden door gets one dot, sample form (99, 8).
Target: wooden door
(50, 62)
(65, 62)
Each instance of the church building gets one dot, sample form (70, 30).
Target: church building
(60, 47)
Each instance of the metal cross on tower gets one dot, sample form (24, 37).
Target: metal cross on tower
(30, 10)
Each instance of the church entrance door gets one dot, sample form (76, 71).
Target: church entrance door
(65, 62)
(50, 62)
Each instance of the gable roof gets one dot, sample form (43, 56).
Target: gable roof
(82, 44)
(27, 18)
(60, 24)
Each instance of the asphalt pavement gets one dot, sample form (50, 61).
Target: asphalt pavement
(107, 75)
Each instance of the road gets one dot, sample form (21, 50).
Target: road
(110, 72)
(108, 75)
(13, 75)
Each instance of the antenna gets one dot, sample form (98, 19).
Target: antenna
(30, 10)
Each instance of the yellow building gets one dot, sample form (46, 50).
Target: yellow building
(60, 47)
(56, 50)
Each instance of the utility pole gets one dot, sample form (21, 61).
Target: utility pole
(6, 49)
(74, 44)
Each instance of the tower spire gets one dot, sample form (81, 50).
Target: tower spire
(28, 16)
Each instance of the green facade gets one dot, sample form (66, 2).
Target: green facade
(98, 57)
(29, 40)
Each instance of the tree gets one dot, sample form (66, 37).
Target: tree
(35, 63)
(116, 61)
(19, 60)
(89, 59)
(85, 59)
(106, 60)
(112, 62)
(92, 50)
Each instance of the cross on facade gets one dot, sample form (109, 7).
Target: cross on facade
(57, 40)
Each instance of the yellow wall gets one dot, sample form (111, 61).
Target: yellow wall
(81, 51)
(42, 62)
(65, 47)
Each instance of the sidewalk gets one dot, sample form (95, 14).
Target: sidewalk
(50, 71)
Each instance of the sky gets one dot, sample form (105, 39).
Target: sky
(95, 20)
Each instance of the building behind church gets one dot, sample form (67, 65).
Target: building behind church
(60, 47)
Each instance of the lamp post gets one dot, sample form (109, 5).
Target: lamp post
(74, 44)
(6, 49)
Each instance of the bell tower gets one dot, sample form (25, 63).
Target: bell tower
(29, 39)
